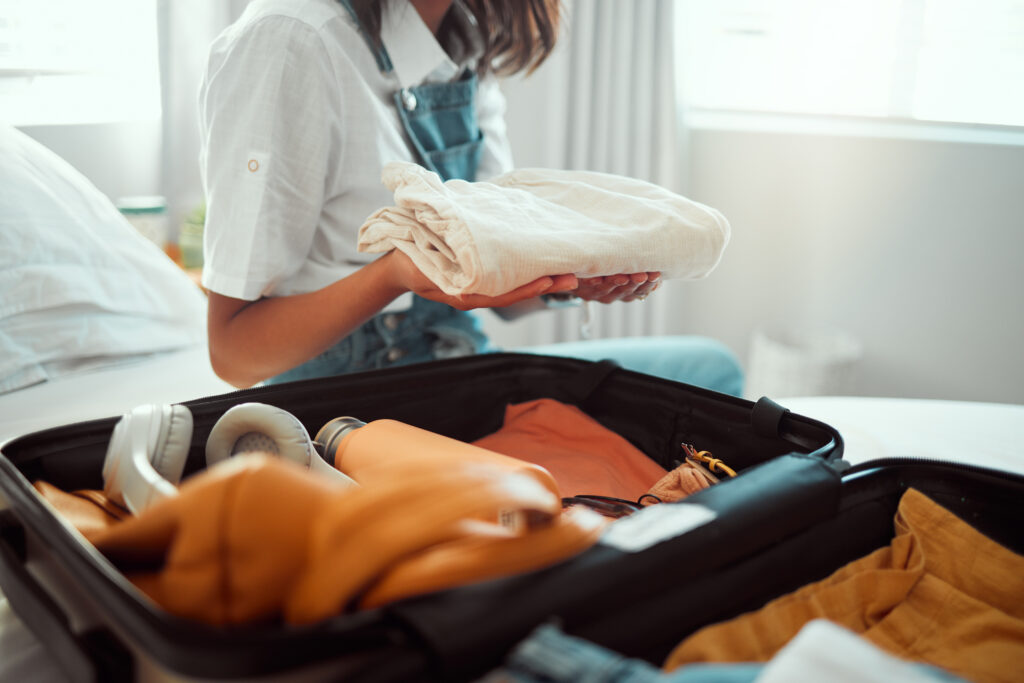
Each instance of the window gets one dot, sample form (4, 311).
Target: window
(959, 61)
(68, 61)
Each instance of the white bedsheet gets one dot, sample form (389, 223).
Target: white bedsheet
(985, 434)
(169, 377)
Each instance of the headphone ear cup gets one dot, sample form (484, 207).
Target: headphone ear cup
(173, 443)
(260, 427)
(146, 455)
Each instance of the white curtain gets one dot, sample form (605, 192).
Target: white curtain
(187, 27)
(606, 100)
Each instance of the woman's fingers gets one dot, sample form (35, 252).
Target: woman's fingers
(622, 287)
(651, 283)
(604, 289)
(543, 285)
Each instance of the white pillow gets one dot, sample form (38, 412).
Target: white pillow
(79, 286)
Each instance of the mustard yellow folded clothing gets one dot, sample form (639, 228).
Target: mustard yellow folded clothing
(258, 537)
(940, 593)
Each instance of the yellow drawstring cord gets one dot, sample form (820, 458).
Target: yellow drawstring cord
(714, 464)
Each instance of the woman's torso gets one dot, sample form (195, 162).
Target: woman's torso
(293, 89)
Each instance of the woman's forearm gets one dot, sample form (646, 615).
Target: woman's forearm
(253, 340)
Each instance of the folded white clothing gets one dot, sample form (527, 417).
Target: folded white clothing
(491, 237)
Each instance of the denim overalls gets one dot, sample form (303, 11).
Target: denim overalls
(440, 121)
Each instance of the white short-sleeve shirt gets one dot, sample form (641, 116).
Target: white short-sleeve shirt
(297, 121)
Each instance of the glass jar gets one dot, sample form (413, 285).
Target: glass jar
(148, 214)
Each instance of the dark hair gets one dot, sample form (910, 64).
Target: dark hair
(517, 35)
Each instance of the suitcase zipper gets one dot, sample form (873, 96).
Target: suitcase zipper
(931, 462)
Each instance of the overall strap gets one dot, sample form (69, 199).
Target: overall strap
(379, 53)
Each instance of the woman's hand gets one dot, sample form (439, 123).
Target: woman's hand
(609, 288)
(410, 278)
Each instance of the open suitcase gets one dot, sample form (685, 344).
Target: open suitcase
(101, 628)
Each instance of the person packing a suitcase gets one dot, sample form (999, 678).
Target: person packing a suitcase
(302, 104)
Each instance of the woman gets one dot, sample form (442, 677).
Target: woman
(303, 103)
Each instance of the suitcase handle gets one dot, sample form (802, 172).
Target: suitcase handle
(79, 657)
(769, 419)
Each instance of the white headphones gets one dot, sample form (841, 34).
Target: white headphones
(148, 449)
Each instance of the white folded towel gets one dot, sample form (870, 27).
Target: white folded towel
(491, 237)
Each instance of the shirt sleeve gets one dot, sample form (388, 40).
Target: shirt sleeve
(496, 156)
(270, 122)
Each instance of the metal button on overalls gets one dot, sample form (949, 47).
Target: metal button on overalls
(391, 321)
(394, 354)
(439, 118)
(409, 99)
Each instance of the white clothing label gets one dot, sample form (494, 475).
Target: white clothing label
(656, 524)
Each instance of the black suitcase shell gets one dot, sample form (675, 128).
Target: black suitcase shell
(105, 630)
(786, 523)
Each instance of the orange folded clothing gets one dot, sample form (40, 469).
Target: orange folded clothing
(261, 538)
(941, 593)
(583, 456)
(370, 454)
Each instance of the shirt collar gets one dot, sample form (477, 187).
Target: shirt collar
(415, 52)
